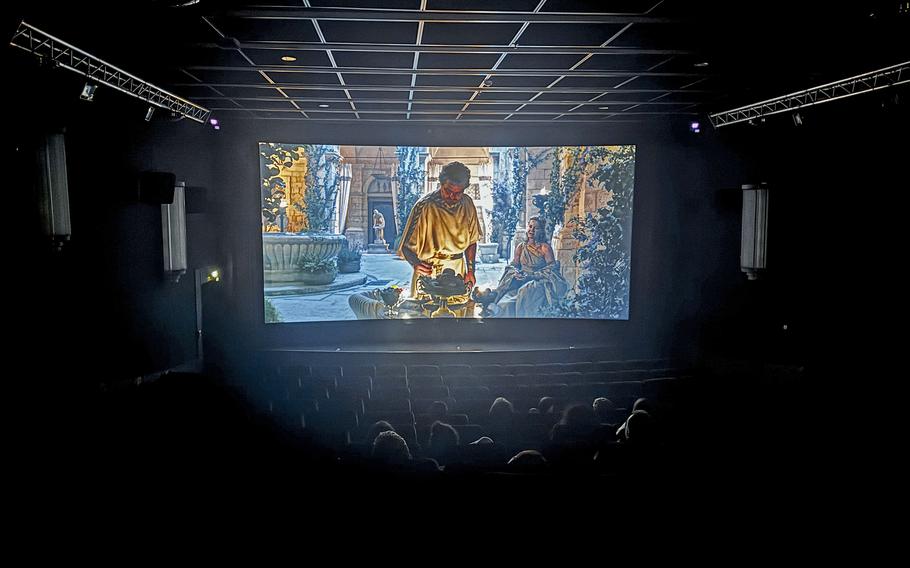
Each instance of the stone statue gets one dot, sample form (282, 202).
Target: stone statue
(379, 225)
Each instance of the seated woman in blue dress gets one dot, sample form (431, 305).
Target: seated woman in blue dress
(531, 282)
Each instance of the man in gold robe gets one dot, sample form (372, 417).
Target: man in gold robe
(442, 230)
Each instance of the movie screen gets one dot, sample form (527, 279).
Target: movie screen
(407, 232)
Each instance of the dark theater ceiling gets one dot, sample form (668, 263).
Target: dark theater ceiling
(464, 60)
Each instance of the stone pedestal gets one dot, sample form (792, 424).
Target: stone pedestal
(355, 235)
(488, 252)
(379, 247)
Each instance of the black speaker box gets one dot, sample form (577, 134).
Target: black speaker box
(157, 188)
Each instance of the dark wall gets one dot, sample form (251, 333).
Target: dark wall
(838, 196)
(102, 304)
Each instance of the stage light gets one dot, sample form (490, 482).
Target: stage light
(149, 113)
(213, 121)
(603, 108)
(213, 276)
(88, 92)
(797, 119)
(695, 127)
(217, 127)
(323, 106)
(701, 64)
(288, 58)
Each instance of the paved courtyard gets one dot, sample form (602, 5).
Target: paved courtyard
(381, 270)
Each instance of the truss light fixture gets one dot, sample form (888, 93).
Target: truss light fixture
(88, 92)
(51, 49)
(149, 113)
(797, 119)
(213, 121)
(288, 58)
(323, 105)
(851, 86)
(603, 108)
(695, 126)
(701, 64)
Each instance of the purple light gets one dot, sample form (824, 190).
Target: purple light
(217, 127)
(695, 127)
(213, 121)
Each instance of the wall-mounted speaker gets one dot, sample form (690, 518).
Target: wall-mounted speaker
(157, 188)
(754, 244)
(53, 189)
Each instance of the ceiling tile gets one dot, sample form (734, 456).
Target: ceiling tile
(568, 34)
(619, 6)
(399, 4)
(380, 106)
(373, 59)
(391, 95)
(489, 96)
(368, 32)
(474, 5)
(468, 34)
(533, 81)
(376, 79)
(539, 61)
(273, 57)
(449, 80)
(266, 30)
(457, 60)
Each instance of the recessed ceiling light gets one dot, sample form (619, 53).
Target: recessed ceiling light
(702, 64)
(603, 108)
(288, 58)
(323, 106)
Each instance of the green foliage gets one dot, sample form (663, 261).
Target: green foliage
(271, 313)
(350, 252)
(501, 207)
(272, 158)
(604, 256)
(410, 176)
(316, 264)
(553, 205)
(322, 176)
(510, 189)
(323, 173)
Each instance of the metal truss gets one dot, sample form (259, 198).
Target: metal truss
(62, 54)
(865, 83)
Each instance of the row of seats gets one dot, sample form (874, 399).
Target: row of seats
(410, 371)
(342, 414)
(394, 398)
